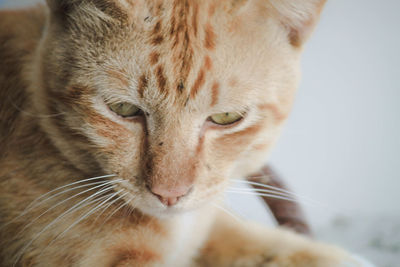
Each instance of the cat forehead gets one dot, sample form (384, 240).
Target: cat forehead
(178, 50)
(183, 25)
(125, 9)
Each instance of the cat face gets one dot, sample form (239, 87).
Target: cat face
(173, 97)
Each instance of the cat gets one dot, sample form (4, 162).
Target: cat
(122, 123)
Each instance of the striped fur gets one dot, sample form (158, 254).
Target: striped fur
(180, 61)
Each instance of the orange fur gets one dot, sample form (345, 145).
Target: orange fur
(175, 61)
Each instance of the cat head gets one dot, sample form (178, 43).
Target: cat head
(173, 97)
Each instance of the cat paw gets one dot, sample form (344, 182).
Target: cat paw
(329, 257)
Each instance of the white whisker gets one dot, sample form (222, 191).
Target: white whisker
(84, 217)
(108, 205)
(35, 203)
(63, 192)
(116, 210)
(64, 186)
(96, 200)
(67, 199)
(227, 212)
(263, 185)
(268, 195)
(72, 209)
(277, 189)
(268, 191)
(260, 191)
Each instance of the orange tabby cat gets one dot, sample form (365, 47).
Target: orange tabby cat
(123, 121)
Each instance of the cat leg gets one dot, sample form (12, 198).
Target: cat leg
(240, 243)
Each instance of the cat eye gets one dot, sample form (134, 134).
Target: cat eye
(226, 118)
(125, 109)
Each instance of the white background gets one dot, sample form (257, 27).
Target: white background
(341, 145)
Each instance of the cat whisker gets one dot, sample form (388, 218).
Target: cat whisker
(125, 211)
(98, 206)
(67, 185)
(74, 208)
(131, 209)
(35, 203)
(269, 195)
(124, 204)
(228, 212)
(269, 191)
(103, 184)
(108, 205)
(262, 185)
(276, 189)
(59, 193)
(96, 200)
(260, 191)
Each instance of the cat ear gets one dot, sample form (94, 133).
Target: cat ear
(299, 16)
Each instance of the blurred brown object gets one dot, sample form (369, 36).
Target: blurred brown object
(288, 214)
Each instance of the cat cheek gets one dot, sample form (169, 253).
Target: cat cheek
(120, 148)
(231, 145)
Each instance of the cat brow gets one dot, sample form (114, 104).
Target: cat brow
(177, 32)
(113, 9)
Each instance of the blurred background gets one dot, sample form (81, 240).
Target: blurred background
(341, 145)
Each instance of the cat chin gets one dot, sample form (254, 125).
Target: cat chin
(165, 212)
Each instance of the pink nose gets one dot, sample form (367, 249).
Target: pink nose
(169, 196)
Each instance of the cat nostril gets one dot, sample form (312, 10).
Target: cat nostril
(169, 197)
(168, 201)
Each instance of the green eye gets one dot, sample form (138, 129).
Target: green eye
(125, 109)
(226, 118)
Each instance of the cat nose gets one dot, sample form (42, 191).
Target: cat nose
(169, 196)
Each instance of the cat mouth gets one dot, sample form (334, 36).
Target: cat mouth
(161, 207)
(162, 211)
(145, 200)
